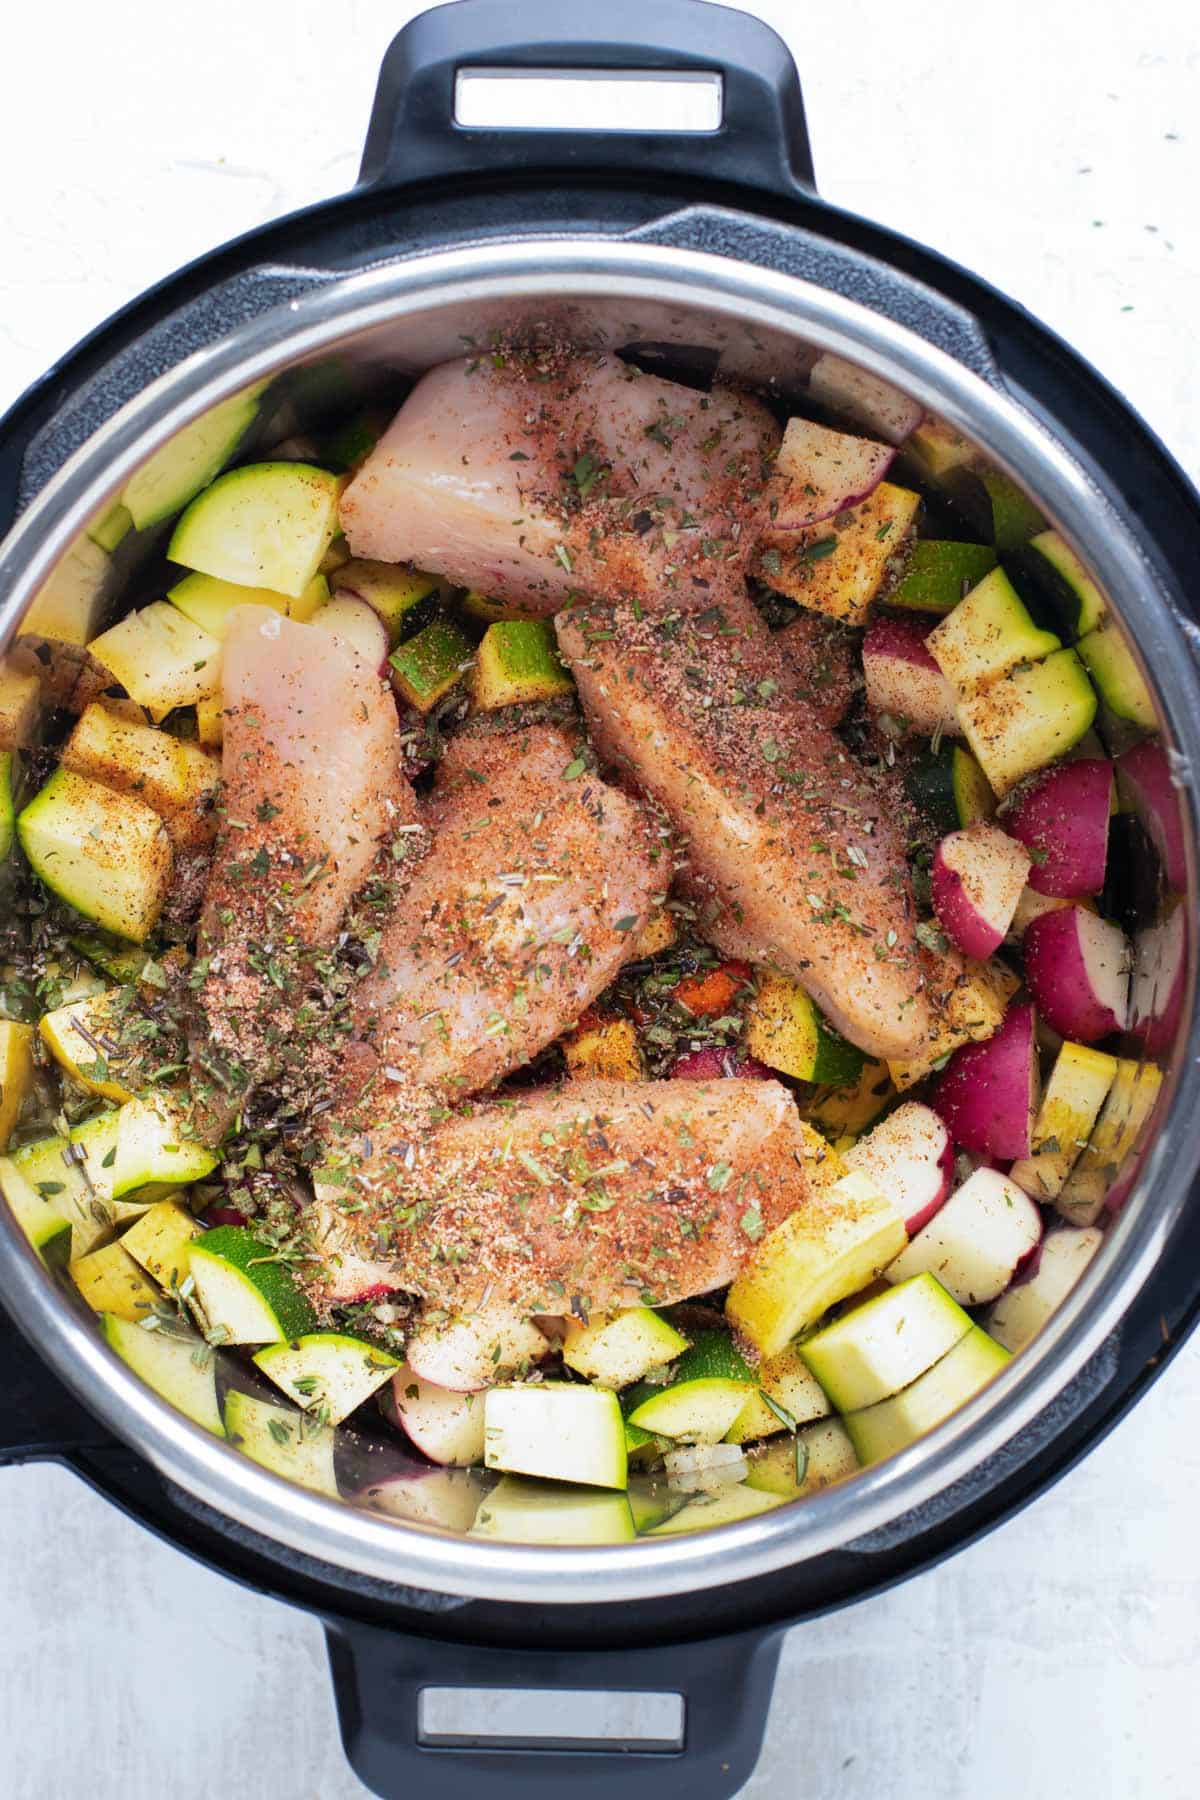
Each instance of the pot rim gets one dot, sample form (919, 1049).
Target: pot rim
(581, 269)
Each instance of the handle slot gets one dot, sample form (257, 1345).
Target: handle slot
(642, 100)
(532, 1719)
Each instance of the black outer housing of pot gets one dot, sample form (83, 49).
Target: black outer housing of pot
(743, 192)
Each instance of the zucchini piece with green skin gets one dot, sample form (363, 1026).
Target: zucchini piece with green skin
(994, 505)
(265, 525)
(787, 1395)
(989, 632)
(208, 601)
(161, 659)
(427, 666)
(934, 572)
(1028, 719)
(400, 597)
(45, 1225)
(950, 788)
(556, 1430)
(652, 1500)
(68, 607)
(107, 855)
(181, 1370)
(874, 1350)
(1051, 562)
(1113, 668)
(518, 662)
(699, 1411)
(246, 1296)
(537, 1512)
(891, 1425)
(178, 470)
(327, 1372)
(704, 1511)
(617, 1350)
(285, 1442)
(786, 1030)
(120, 962)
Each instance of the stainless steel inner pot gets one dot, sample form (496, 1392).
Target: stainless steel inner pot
(406, 316)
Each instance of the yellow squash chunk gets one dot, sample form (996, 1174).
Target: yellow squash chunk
(68, 607)
(161, 659)
(111, 1282)
(822, 1253)
(1077, 1089)
(785, 1380)
(604, 1052)
(210, 721)
(972, 1010)
(16, 1073)
(517, 662)
(84, 1038)
(161, 1242)
(839, 566)
(845, 1112)
(108, 855)
(1131, 1100)
(785, 1030)
(20, 706)
(178, 779)
(1028, 718)
(657, 934)
(208, 601)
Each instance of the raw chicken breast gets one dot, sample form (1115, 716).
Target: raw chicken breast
(312, 786)
(789, 838)
(538, 479)
(538, 881)
(586, 1196)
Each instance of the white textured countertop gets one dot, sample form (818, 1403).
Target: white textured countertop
(1056, 152)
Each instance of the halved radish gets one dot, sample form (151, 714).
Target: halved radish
(910, 1157)
(1031, 906)
(1159, 981)
(904, 684)
(820, 473)
(978, 1239)
(1144, 777)
(854, 394)
(1020, 1313)
(448, 1498)
(476, 1351)
(717, 1063)
(355, 623)
(988, 1094)
(446, 1426)
(1077, 968)
(1061, 816)
(978, 877)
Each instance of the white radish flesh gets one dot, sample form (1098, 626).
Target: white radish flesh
(1020, 1313)
(978, 878)
(446, 1426)
(820, 473)
(475, 1351)
(976, 1241)
(906, 690)
(910, 1157)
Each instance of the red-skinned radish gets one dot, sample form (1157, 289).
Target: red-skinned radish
(355, 623)
(910, 1157)
(1020, 1313)
(1159, 981)
(819, 473)
(977, 1241)
(853, 393)
(904, 684)
(977, 880)
(1144, 777)
(714, 1063)
(1077, 969)
(445, 1425)
(1061, 816)
(988, 1092)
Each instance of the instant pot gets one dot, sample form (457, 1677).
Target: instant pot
(706, 247)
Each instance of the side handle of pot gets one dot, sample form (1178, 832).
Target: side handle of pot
(423, 1717)
(739, 72)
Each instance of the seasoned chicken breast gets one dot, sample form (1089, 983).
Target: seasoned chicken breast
(539, 879)
(312, 786)
(585, 1197)
(789, 839)
(534, 478)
